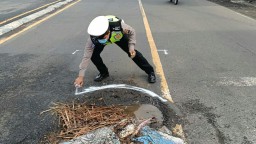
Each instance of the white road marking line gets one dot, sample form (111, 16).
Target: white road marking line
(239, 82)
(75, 51)
(13, 25)
(245, 16)
(120, 86)
(38, 22)
(20, 15)
(165, 51)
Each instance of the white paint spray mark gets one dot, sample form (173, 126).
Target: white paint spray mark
(75, 51)
(120, 86)
(241, 81)
(165, 51)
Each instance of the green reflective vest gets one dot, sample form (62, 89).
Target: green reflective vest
(116, 33)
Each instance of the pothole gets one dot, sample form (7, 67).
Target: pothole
(137, 104)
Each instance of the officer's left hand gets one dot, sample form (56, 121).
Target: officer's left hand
(132, 53)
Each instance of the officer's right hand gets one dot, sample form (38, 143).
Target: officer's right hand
(79, 81)
(132, 53)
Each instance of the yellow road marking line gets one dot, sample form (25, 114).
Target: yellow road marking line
(156, 58)
(5, 21)
(38, 22)
(159, 69)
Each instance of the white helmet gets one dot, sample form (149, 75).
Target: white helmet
(98, 26)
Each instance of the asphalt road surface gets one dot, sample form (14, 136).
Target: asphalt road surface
(210, 67)
(11, 8)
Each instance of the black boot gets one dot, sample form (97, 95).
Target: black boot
(100, 77)
(151, 77)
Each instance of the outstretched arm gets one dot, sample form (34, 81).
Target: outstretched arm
(89, 47)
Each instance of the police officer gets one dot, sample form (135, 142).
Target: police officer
(104, 30)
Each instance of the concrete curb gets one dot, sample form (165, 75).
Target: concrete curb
(13, 25)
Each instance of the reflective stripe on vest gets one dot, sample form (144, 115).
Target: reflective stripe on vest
(115, 28)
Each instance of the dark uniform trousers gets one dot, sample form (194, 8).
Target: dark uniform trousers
(123, 44)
